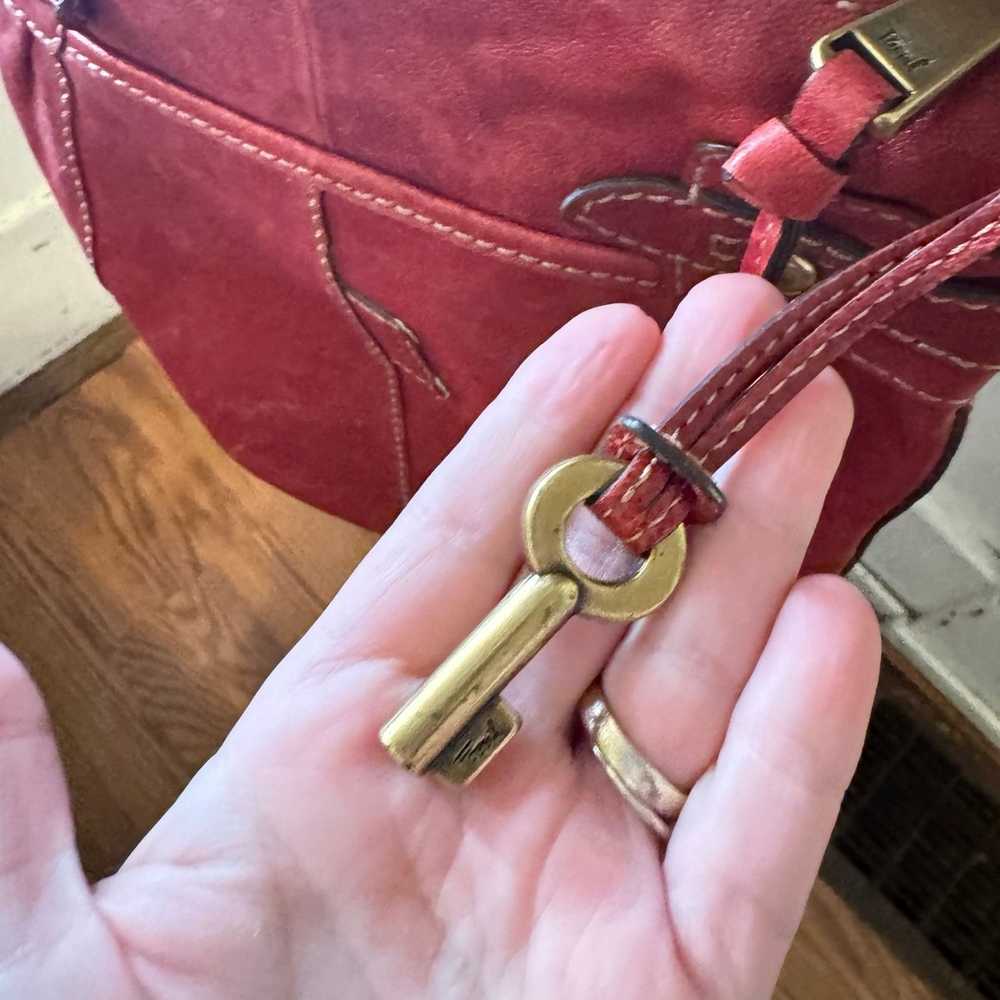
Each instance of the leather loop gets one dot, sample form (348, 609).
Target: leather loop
(722, 413)
(792, 169)
(773, 169)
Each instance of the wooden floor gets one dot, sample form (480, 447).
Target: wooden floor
(150, 583)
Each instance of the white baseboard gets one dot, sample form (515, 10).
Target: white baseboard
(933, 575)
(49, 296)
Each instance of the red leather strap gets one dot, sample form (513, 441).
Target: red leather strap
(648, 501)
(792, 168)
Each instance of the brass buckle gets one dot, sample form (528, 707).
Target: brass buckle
(920, 46)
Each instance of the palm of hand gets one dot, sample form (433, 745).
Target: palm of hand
(301, 862)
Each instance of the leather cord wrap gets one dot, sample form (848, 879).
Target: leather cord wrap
(728, 407)
(792, 168)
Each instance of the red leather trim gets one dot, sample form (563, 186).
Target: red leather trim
(837, 102)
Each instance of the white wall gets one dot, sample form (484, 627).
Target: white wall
(49, 297)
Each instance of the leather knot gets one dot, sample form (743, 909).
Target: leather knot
(792, 168)
(774, 169)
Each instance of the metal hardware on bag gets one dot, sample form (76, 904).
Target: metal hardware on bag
(799, 276)
(920, 46)
(456, 722)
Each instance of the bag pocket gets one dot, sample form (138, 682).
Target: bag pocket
(336, 328)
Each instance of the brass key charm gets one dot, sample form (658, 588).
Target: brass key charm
(456, 722)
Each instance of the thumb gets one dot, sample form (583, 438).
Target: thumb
(39, 868)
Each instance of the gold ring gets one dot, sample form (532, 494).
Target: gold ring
(657, 801)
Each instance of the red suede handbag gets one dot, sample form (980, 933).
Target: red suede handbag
(342, 226)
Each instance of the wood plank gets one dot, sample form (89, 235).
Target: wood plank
(836, 955)
(150, 584)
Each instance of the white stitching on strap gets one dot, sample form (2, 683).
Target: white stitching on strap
(363, 196)
(321, 241)
(658, 520)
(825, 346)
(763, 352)
(660, 199)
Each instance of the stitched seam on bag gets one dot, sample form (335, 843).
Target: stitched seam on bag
(881, 213)
(397, 421)
(366, 197)
(72, 161)
(627, 241)
(688, 201)
(425, 376)
(31, 26)
(963, 304)
(825, 346)
(937, 352)
(679, 276)
(633, 244)
(716, 253)
(902, 384)
(636, 245)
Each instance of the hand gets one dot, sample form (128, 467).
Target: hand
(301, 862)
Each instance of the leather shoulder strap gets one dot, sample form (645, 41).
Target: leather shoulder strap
(649, 500)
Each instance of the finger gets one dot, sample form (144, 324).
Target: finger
(674, 680)
(748, 844)
(39, 869)
(718, 315)
(454, 549)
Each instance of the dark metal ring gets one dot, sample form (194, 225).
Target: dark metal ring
(675, 457)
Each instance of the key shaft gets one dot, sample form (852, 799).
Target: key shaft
(472, 676)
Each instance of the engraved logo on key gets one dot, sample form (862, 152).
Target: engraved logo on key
(473, 750)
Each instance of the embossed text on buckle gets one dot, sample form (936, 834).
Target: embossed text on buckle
(920, 46)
